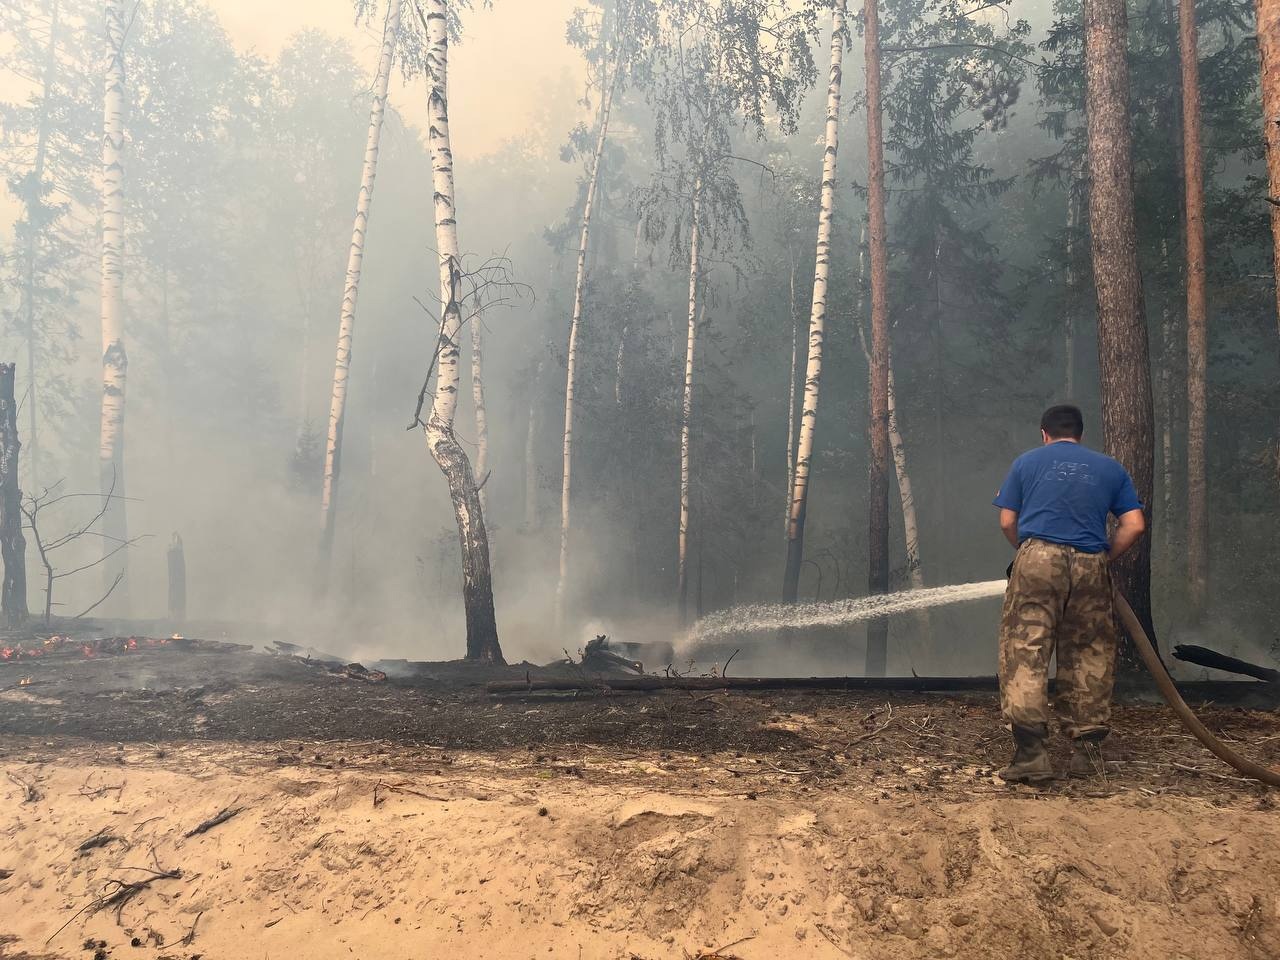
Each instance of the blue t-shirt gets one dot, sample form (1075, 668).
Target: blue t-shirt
(1063, 492)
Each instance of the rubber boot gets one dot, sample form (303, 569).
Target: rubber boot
(1086, 755)
(1030, 762)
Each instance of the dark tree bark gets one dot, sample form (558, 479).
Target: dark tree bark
(1269, 51)
(13, 546)
(1128, 425)
(1197, 315)
(1268, 15)
(477, 579)
(878, 480)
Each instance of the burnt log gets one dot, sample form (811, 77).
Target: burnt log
(1204, 657)
(13, 545)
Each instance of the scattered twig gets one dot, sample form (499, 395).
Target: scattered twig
(99, 839)
(5, 873)
(29, 792)
(724, 671)
(222, 816)
(117, 893)
(101, 790)
(191, 934)
(719, 952)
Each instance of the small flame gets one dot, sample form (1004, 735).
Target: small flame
(24, 681)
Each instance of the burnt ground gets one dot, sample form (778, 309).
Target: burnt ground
(303, 712)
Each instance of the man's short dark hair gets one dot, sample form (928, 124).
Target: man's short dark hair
(1063, 421)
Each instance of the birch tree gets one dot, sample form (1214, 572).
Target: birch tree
(727, 67)
(477, 578)
(115, 361)
(616, 38)
(817, 313)
(351, 286)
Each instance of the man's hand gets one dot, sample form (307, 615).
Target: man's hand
(1130, 527)
(1009, 526)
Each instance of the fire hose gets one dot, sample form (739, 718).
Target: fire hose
(1165, 684)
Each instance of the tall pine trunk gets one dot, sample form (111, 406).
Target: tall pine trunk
(115, 362)
(1197, 320)
(1268, 28)
(686, 403)
(1127, 421)
(575, 325)
(477, 579)
(817, 315)
(13, 546)
(351, 288)
(910, 522)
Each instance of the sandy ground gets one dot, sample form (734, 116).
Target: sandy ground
(343, 850)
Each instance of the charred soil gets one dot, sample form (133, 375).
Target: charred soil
(223, 804)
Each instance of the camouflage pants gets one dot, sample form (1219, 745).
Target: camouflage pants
(1058, 597)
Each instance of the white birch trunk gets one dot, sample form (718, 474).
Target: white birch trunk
(575, 324)
(791, 401)
(617, 380)
(351, 288)
(817, 315)
(530, 457)
(114, 359)
(686, 404)
(477, 580)
(482, 418)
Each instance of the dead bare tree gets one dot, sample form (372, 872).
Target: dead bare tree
(33, 505)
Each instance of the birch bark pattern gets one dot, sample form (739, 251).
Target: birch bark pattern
(115, 361)
(1197, 314)
(575, 325)
(477, 579)
(791, 403)
(482, 417)
(13, 546)
(1127, 421)
(817, 316)
(878, 472)
(686, 403)
(351, 287)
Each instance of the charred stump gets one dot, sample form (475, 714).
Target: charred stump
(13, 546)
(477, 577)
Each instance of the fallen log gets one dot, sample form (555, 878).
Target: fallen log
(1204, 657)
(652, 683)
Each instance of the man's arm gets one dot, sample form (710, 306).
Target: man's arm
(1132, 524)
(1009, 525)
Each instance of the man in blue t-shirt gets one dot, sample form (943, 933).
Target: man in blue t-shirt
(1054, 506)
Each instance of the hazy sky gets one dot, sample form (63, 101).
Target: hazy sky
(511, 55)
(512, 58)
